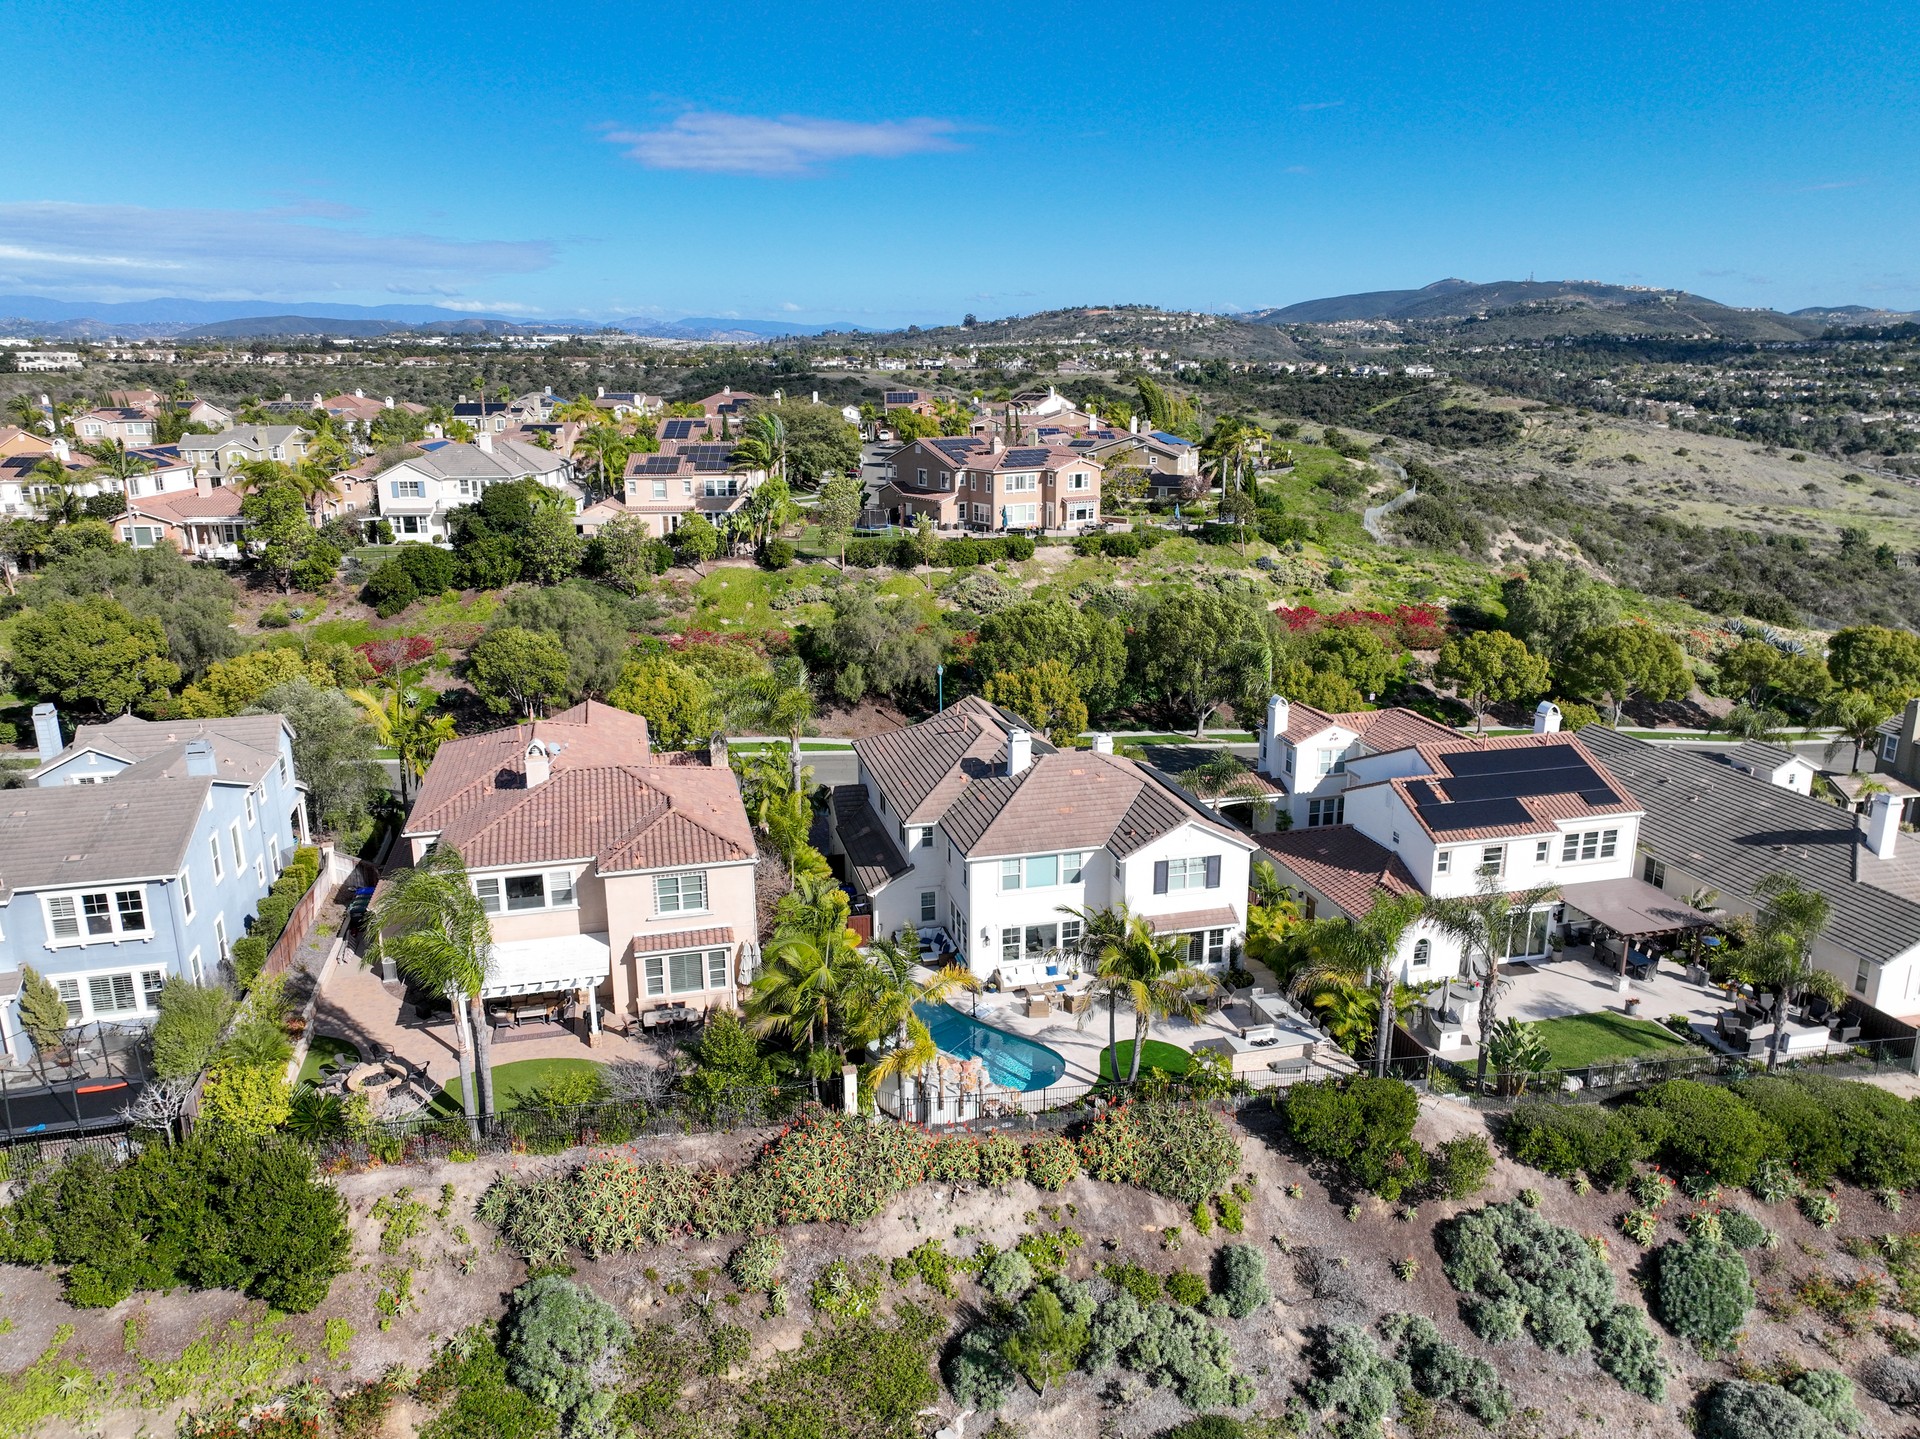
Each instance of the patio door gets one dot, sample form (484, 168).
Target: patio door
(1527, 933)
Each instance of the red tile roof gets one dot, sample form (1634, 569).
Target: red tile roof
(1544, 811)
(1383, 730)
(681, 939)
(1341, 863)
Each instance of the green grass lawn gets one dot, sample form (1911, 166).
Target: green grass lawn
(1159, 1055)
(323, 1048)
(1577, 1040)
(512, 1081)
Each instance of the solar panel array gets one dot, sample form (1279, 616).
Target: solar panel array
(956, 450)
(1026, 458)
(677, 430)
(660, 465)
(1485, 788)
(902, 397)
(710, 459)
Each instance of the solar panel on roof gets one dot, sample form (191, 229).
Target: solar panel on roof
(677, 430)
(1026, 457)
(1474, 814)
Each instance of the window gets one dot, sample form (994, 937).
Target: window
(686, 973)
(1589, 844)
(1079, 481)
(273, 853)
(921, 478)
(220, 938)
(70, 996)
(1443, 862)
(1860, 977)
(260, 869)
(660, 489)
(239, 852)
(924, 836)
(1197, 872)
(248, 800)
(1021, 484)
(1084, 511)
(1043, 871)
(1422, 953)
(1072, 866)
(1010, 946)
(1042, 938)
(526, 891)
(1016, 515)
(1493, 859)
(186, 895)
(196, 968)
(1216, 946)
(213, 847)
(1654, 873)
(152, 981)
(1542, 851)
(1070, 932)
(1009, 875)
(929, 906)
(409, 489)
(552, 890)
(283, 769)
(680, 893)
(1322, 812)
(100, 914)
(111, 993)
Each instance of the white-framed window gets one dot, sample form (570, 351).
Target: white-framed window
(1022, 514)
(1322, 812)
(239, 850)
(923, 836)
(1443, 861)
(283, 769)
(1189, 873)
(1654, 873)
(1079, 480)
(110, 994)
(1589, 844)
(273, 854)
(1010, 945)
(1216, 946)
(247, 799)
(219, 866)
(1542, 851)
(99, 914)
(1071, 931)
(186, 895)
(195, 967)
(680, 893)
(70, 996)
(1042, 871)
(1085, 510)
(1422, 953)
(517, 893)
(1493, 859)
(152, 981)
(260, 870)
(686, 973)
(1889, 747)
(1860, 976)
(1019, 484)
(409, 489)
(929, 906)
(220, 938)
(1330, 761)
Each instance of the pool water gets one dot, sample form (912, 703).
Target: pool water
(1012, 1061)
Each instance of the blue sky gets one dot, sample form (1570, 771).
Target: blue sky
(893, 163)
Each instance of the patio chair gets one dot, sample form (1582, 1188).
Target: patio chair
(1845, 1033)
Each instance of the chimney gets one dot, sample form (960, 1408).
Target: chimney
(998, 445)
(599, 392)
(1546, 718)
(389, 402)
(316, 401)
(717, 751)
(726, 389)
(200, 758)
(1133, 424)
(484, 439)
(1019, 750)
(1103, 743)
(539, 764)
(46, 731)
(1278, 714)
(359, 394)
(816, 397)
(1883, 824)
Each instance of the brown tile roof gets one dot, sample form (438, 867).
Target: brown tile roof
(465, 770)
(1341, 863)
(1220, 918)
(182, 506)
(1073, 799)
(681, 939)
(1383, 730)
(872, 856)
(1544, 811)
(922, 768)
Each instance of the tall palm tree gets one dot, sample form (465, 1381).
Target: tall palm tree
(579, 410)
(763, 446)
(780, 701)
(1483, 923)
(62, 504)
(802, 991)
(1221, 776)
(253, 476)
(891, 992)
(1780, 958)
(607, 448)
(1150, 971)
(1857, 716)
(1100, 929)
(114, 461)
(406, 725)
(431, 922)
(1361, 953)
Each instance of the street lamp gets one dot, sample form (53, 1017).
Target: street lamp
(940, 685)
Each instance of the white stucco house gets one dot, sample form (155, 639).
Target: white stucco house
(417, 494)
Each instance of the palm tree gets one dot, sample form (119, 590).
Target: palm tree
(1517, 1052)
(254, 476)
(1099, 929)
(408, 727)
(1361, 953)
(578, 410)
(763, 446)
(1483, 923)
(890, 999)
(62, 505)
(780, 701)
(1220, 776)
(1754, 722)
(1857, 716)
(802, 991)
(1780, 958)
(608, 449)
(1150, 971)
(114, 461)
(432, 924)
(26, 413)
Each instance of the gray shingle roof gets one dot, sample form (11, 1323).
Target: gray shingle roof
(1733, 829)
(94, 834)
(245, 747)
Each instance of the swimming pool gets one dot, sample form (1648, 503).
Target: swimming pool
(1012, 1061)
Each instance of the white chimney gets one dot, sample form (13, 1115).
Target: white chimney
(726, 389)
(1103, 744)
(816, 397)
(998, 445)
(600, 392)
(1278, 714)
(389, 402)
(484, 439)
(1546, 718)
(1133, 424)
(1019, 750)
(359, 394)
(1883, 824)
(539, 764)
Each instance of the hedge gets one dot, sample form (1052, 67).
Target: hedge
(274, 911)
(903, 552)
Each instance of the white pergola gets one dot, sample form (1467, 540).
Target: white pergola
(541, 966)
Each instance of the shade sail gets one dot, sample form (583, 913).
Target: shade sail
(1633, 907)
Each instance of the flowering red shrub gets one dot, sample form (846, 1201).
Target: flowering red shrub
(954, 1159)
(828, 1166)
(1299, 617)
(398, 653)
(1052, 1163)
(1414, 627)
(1001, 1162)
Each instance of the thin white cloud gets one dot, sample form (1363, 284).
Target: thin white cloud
(786, 145)
(1312, 105)
(90, 250)
(1832, 185)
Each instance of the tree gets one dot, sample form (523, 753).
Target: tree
(404, 722)
(1751, 666)
(514, 668)
(1517, 1053)
(43, 1013)
(1046, 696)
(629, 554)
(1483, 923)
(803, 984)
(677, 702)
(762, 446)
(887, 992)
(193, 602)
(1150, 971)
(334, 751)
(1123, 482)
(429, 920)
(769, 510)
(233, 685)
(551, 548)
(93, 654)
(695, 541)
(1877, 661)
(1199, 649)
(1857, 716)
(1779, 959)
(1621, 661)
(875, 644)
(1048, 1342)
(608, 449)
(115, 462)
(1491, 666)
(579, 616)
(777, 700)
(1555, 604)
(1362, 953)
(838, 510)
(556, 1339)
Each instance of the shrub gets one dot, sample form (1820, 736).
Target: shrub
(1186, 1287)
(1625, 1348)
(848, 1290)
(1142, 1283)
(1828, 1393)
(1702, 1291)
(1498, 1321)
(1461, 1167)
(554, 1337)
(1362, 1126)
(1736, 1409)
(1892, 1379)
(1354, 1380)
(1445, 1371)
(1813, 1139)
(1822, 1210)
(1001, 1163)
(1168, 1346)
(249, 954)
(1051, 1164)
(756, 1264)
(1567, 1139)
(187, 1033)
(1742, 1230)
(776, 554)
(954, 1159)
(1508, 1255)
(1185, 1153)
(829, 1166)
(977, 1374)
(242, 1102)
(1706, 1131)
(1007, 1275)
(1207, 1426)
(1243, 1279)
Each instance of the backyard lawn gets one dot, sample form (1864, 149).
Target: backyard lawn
(1158, 1055)
(511, 1082)
(1577, 1040)
(323, 1048)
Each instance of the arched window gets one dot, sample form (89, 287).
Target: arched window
(1422, 953)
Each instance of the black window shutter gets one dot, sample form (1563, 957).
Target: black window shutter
(1213, 871)
(1159, 876)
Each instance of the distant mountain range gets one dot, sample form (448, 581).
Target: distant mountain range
(184, 319)
(1536, 308)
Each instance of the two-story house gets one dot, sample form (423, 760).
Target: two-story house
(684, 478)
(140, 852)
(200, 521)
(1171, 464)
(218, 456)
(417, 495)
(131, 427)
(984, 485)
(1305, 751)
(613, 874)
(1443, 818)
(979, 835)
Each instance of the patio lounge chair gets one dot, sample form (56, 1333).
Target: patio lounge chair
(1846, 1033)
